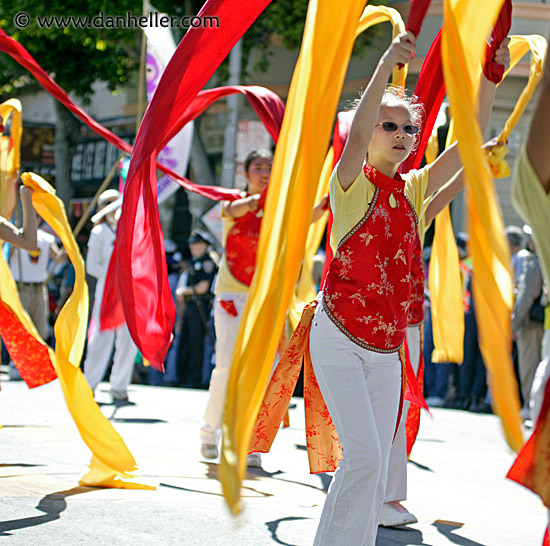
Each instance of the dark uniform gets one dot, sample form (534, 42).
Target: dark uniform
(195, 316)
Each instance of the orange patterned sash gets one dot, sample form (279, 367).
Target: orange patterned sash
(323, 447)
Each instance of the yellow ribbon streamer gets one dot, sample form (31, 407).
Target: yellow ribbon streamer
(305, 290)
(465, 29)
(519, 46)
(373, 15)
(444, 276)
(10, 159)
(432, 148)
(310, 110)
(446, 288)
(446, 293)
(112, 463)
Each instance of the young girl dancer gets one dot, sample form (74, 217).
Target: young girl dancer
(242, 220)
(360, 323)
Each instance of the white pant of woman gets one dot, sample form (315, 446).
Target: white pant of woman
(538, 388)
(542, 375)
(361, 389)
(396, 488)
(227, 328)
(98, 353)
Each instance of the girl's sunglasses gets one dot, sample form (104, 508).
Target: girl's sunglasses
(391, 127)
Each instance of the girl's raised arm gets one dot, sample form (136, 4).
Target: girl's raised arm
(449, 162)
(399, 52)
(538, 140)
(24, 238)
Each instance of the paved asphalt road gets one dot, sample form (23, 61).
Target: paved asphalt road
(457, 486)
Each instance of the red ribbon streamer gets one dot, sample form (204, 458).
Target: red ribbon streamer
(430, 90)
(229, 307)
(416, 16)
(140, 262)
(267, 104)
(15, 50)
(339, 139)
(493, 71)
(269, 108)
(30, 357)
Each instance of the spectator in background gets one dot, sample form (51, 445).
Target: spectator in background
(527, 327)
(30, 271)
(100, 342)
(472, 376)
(24, 238)
(518, 252)
(195, 298)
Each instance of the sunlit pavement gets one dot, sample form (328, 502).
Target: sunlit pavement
(457, 485)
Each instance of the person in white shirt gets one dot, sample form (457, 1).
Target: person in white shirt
(100, 342)
(30, 271)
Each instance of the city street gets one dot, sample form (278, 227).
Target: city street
(457, 485)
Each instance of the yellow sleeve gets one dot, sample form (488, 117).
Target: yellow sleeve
(533, 204)
(349, 206)
(416, 184)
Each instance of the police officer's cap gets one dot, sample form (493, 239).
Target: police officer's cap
(199, 236)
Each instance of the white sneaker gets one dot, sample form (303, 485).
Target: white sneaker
(13, 373)
(254, 460)
(119, 396)
(394, 514)
(209, 451)
(525, 414)
(434, 402)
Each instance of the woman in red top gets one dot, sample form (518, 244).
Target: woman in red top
(242, 220)
(360, 323)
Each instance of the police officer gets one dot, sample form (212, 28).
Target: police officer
(193, 292)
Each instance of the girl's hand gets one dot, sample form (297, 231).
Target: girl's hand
(490, 144)
(254, 201)
(400, 51)
(502, 54)
(26, 194)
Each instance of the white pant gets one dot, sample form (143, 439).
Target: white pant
(227, 328)
(361, 389)
(396, 488)
(99, 350)
(542, 376)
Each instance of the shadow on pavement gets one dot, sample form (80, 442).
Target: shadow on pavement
(273, 526)
(253, 473)
(420, 466)
(399, 536)
(25, 465)
(446, 529)
(142, 421)
(52, 505)
(187, 490)
(212, 493)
